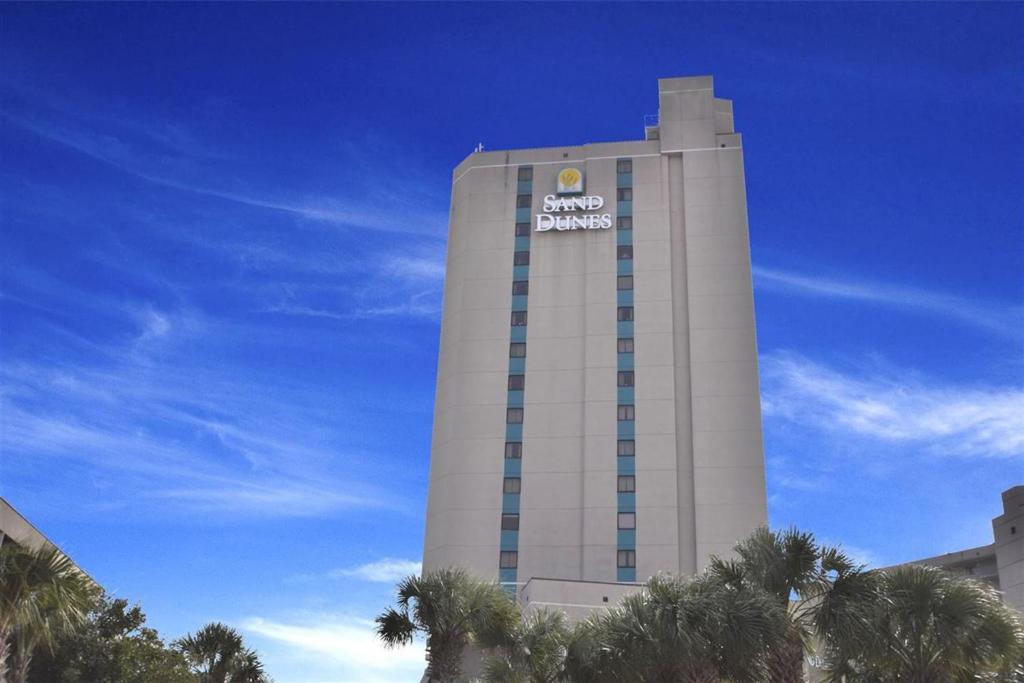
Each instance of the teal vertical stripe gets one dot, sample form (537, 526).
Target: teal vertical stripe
(624, 237)
(625, 361)
(625, 267)
(624, 180)
(626, 395)
(624, 209)
(627, 575)
(627, 502)
(625, 328)
(627, 539)
(627, 429)
(627, 464)
(516, 366)
(624, 297)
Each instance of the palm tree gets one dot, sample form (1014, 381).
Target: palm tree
(216, 654)
(926, 625)
(452, 609)
(788, 566)
(690, 630)
(534, 651)
(42, 595)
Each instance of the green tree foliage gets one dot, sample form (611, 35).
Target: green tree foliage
(216, 654)
(924, 625)
(42, 597)
(533, 652)
(452, 609)
(691, 630)
(113, 646)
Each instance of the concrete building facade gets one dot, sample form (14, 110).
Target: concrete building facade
(597, 414)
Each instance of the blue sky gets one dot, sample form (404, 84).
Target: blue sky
(223, 231)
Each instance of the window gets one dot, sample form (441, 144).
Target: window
(526, 173)
(624, 166)
(522, 258)
(516, 382)
(626, 378)
(625, 346)
(514, 416)
(511, 485)
(624, 222)
(627, 520)
(510, 522)
(522, 229)
(625, 313)
(627, 447)
(523, 201)
(518, 318)
(514, 450)
(624, 253)
(509, 559)
(625, 413)
(520, 287)
(625, 559)
(624, 194)
(624, 282)
(626, 483)
(517, 350)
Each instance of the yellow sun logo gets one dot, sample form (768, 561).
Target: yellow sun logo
(569, 177)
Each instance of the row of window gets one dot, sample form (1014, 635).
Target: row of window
(625, 447)
(518, 349)
(626, 520)
(624, 559)
(623, 252)
(514, 416)
(625, 314)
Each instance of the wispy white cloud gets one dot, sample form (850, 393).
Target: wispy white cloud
(975, 421)
(181, 168)
(1006, 320)
(387, 570)
(349, 642)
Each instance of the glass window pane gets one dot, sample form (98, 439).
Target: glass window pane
(520, 287)
(523, 201)
(627, 520)
(624, 252)
(624, 282)
(511, 485)
(517, 350)
(624, 222)
(526, 173)
(510, 522)
(516, 382)
(627, 483)
(514, 450)
(625, 346)
(627, 447)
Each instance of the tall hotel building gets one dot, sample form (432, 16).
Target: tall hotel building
(597, 417)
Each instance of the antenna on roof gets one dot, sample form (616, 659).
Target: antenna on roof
(479, 147)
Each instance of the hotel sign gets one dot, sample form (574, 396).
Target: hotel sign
(568, 209)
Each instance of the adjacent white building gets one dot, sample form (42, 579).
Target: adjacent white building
(597, 413)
